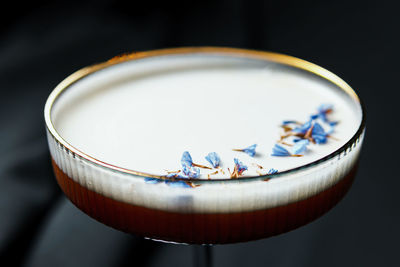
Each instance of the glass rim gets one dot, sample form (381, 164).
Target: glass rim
(224, 51)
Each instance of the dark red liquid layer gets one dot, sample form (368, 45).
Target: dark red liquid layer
(202, 228)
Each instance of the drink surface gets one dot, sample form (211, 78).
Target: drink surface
(143, 114)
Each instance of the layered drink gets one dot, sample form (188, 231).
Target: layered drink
(204, 145)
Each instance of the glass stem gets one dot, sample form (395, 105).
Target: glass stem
(202, 255)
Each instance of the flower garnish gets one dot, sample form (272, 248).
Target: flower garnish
(174, 175)
(318, 134)
(290, 122)
(186, 160)
(280, 151)
(272, 171)
(300, 147)
(190, 172)
(152, 180)
(302, 129)
(171, 183)
(251, 150)
(323, 110)
(239, 168)
(214, 159)
(178, 184)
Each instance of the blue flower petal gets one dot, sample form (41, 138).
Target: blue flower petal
(181, 184)
(214, 159)
(318, 134)
(186, 159)
(288, 122)
(191, 172)
(320, 139)
(300, 147)
(152, 180)
(272, 171)
(280, 151)
(302, 129)
(240, 166)
(174, 175)
(324, 108)
(251, 150)
(318, 129)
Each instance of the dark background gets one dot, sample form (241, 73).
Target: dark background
(41, 42)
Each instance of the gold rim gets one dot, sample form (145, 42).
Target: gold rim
(270, 56)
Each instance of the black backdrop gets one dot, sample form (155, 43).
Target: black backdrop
(42, 42)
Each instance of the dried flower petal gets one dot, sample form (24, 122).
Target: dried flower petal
(286, 128)
(302, 129)
(174, 175)
(300, 147)
(152, 180)
(272, 171)
(186, 159)
(214, 159)
(251, 150)
(179, 183)
(240, 166)
(191, 172)
(280, 151)
(325, 108)
(318, 134)
(289, 122)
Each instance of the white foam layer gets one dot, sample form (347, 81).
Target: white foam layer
(141, 115)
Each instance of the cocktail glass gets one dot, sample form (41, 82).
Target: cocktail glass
(214, 211)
